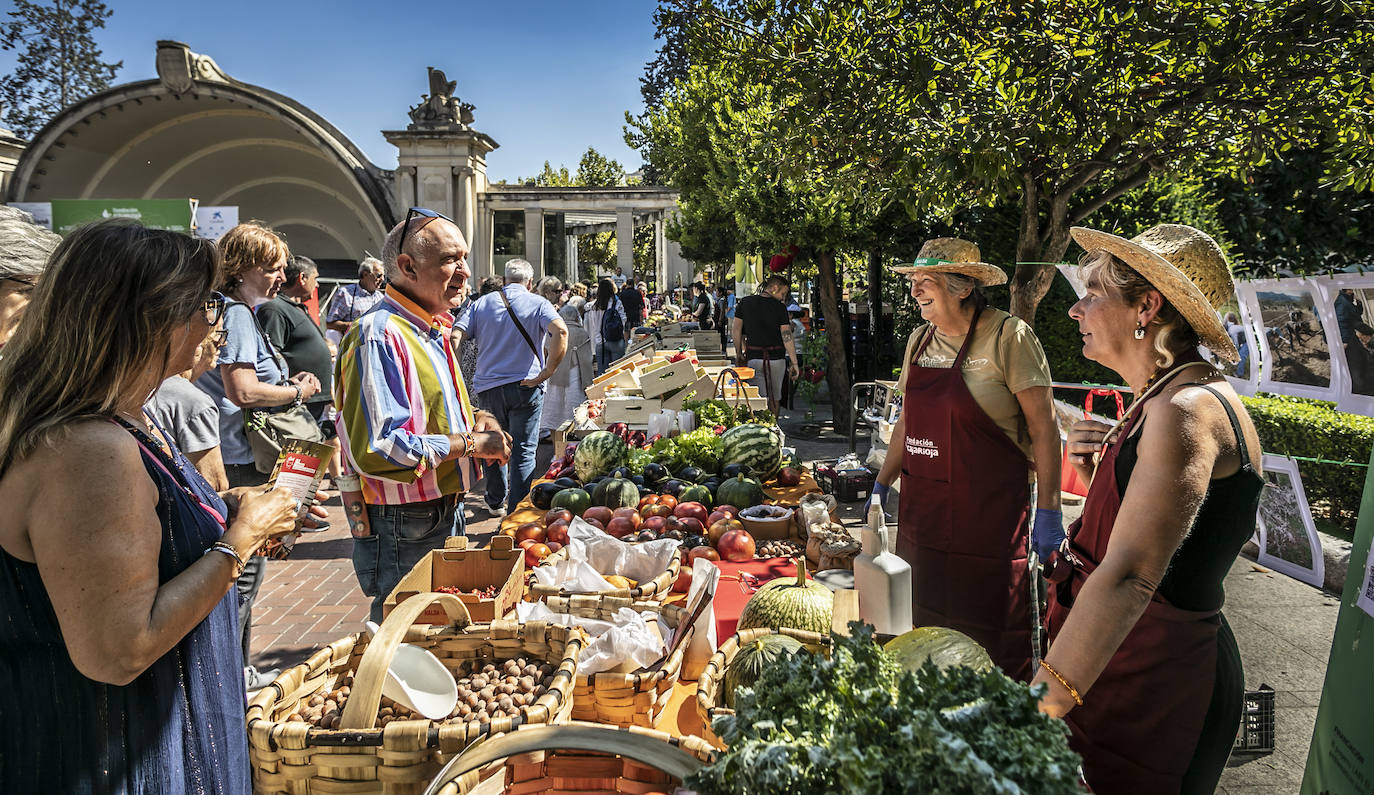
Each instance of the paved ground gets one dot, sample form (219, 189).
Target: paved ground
(1283, 627)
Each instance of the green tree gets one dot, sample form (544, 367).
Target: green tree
(58, 63)
(1059, 106)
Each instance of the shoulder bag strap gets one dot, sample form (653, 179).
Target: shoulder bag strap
(537, 355)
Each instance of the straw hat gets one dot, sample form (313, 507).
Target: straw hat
(952, 255)
(1188, 269)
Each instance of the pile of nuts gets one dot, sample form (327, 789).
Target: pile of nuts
(486, 690)
(779, 548)
(488, 592)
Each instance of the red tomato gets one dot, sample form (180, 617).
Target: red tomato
(691, 510)
(556, 514)
(628, 513)
(736, 545)
(535, 554)
(703, 552)
(529, 530)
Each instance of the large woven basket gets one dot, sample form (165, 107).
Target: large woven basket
(710, 698)
(573, 758)
(629, 699)
(401, 757)
(655, 590)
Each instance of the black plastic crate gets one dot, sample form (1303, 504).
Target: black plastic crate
(846, 486)
(1256, 735)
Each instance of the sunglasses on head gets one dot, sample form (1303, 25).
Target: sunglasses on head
(418, 212)
(213, 308)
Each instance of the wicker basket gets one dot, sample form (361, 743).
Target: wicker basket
(624, 699)
(403, 756)
(710, 700)
(575, 757)
(655, 590)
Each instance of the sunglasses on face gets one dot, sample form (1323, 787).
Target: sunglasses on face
(418, 212)
(213, 308)
(26, 285)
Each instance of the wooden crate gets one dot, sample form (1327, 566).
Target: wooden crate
(707, 341)
(629, 410)
(704, 388)
(499, 564)
(665, 378)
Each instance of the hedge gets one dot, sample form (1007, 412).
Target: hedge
(1315, 429)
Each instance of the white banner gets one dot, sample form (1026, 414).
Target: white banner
(213, 222)
(41, 212)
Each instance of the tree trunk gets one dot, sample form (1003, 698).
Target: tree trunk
(877, 347)
(837, 366)
(1035, 245)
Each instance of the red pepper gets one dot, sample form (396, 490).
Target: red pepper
(719, 429)
(554, 468)
(636, 439)
(650, 441)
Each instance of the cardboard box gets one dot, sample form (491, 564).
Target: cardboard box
(501, 564)
(629, 410)
(667, 377)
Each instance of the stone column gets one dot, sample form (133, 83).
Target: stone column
(444, 167)
(660, 254)
(571, 242)
(534, 240)
(625, 240)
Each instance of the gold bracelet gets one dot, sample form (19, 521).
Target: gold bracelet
(229, 551)
(1077, 699)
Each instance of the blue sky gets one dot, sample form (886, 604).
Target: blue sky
(548, 78)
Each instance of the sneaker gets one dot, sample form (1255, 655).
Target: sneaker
(499, 512)
(255, 680)
(320, 526)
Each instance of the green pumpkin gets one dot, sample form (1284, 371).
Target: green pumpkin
(616, 493)
(740, 492)
(752, 660)
(696, 493)
(575, 500)
(786, 602)
(945, 647)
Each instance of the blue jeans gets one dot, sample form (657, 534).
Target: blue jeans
(517, 408)
(401, 536)
(610, 351)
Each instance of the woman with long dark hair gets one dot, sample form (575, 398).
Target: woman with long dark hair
(117, 559)
(608, 325)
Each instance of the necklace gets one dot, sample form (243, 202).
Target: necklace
(1160, 378)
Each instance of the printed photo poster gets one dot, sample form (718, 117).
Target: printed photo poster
(1236, 319)
(41, 212)
(1297, 334)
(1288, 541)
(1352, 306)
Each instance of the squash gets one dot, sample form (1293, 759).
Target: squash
(944, 647)
(695, 493)
(785, 602)
(752, 660)
(616, 493)
(740, 491)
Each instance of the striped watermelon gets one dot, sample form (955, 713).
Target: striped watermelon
(757, 446)
(598, 454)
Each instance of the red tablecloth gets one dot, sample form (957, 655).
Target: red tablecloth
(730, 596)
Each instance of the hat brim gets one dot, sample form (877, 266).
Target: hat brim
(1176, 287)
(986, 275)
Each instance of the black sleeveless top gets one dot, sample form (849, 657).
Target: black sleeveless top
(1224, 523)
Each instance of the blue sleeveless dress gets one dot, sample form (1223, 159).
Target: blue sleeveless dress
(178, 727)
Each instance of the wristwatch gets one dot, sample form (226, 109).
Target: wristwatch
(299, 399)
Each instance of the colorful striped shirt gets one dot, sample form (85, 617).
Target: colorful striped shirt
(399, 395)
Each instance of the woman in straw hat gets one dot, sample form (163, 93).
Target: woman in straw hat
(977, 418)
(1141, 663)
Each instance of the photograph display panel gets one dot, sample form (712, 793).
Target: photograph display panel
(1352, 305)
(1288, 540)
(1296, 330)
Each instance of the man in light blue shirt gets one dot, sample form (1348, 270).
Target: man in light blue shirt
(511, 326)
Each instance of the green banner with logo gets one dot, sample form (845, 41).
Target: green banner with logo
(1341, 758)
(172, 214)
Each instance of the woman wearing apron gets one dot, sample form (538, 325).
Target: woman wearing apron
(1141, 663)
(977, 419)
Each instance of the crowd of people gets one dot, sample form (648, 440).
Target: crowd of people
(129, 456)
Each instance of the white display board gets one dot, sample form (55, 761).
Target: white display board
(1296, 330)
(1288, 540)
(213, 222)
(1357, 393)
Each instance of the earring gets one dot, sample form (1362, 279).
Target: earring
(1139, 331)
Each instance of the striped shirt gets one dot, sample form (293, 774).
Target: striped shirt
(399, 395)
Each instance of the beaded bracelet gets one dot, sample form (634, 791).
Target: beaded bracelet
(228, 550)
(1077, 699)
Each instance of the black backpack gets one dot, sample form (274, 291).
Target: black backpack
(612, 327)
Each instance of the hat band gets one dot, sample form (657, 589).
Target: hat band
(925, 262)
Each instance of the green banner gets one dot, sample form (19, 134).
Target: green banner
(1340, 760)
(171, 214)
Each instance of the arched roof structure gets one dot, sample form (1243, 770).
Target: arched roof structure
(197, 133)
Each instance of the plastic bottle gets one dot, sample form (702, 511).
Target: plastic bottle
(882, 579)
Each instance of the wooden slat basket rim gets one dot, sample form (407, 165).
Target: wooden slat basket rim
(709, 697)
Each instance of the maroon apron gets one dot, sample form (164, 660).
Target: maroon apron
(963, 515)
(1139, 727)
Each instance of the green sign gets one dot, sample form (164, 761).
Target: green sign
(172, 214)
(1341, 758)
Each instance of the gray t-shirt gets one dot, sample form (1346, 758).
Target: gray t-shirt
(244, 345)
(185, 413)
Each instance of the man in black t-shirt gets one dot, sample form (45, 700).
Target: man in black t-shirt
(287, 323)
(633, 302)
(763, 338)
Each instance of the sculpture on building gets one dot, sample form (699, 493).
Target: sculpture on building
(440, 108)
(179, 69)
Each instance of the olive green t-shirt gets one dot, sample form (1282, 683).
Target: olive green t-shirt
(1005, 358)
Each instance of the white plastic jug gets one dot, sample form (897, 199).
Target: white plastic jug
(882, 579)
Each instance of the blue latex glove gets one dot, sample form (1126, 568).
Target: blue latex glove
(1047, 533)
(880, 492)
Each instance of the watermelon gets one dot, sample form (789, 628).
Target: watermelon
(758, 447)
(598, 454)
(787, 602)
(752, 660)
(616, 493)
